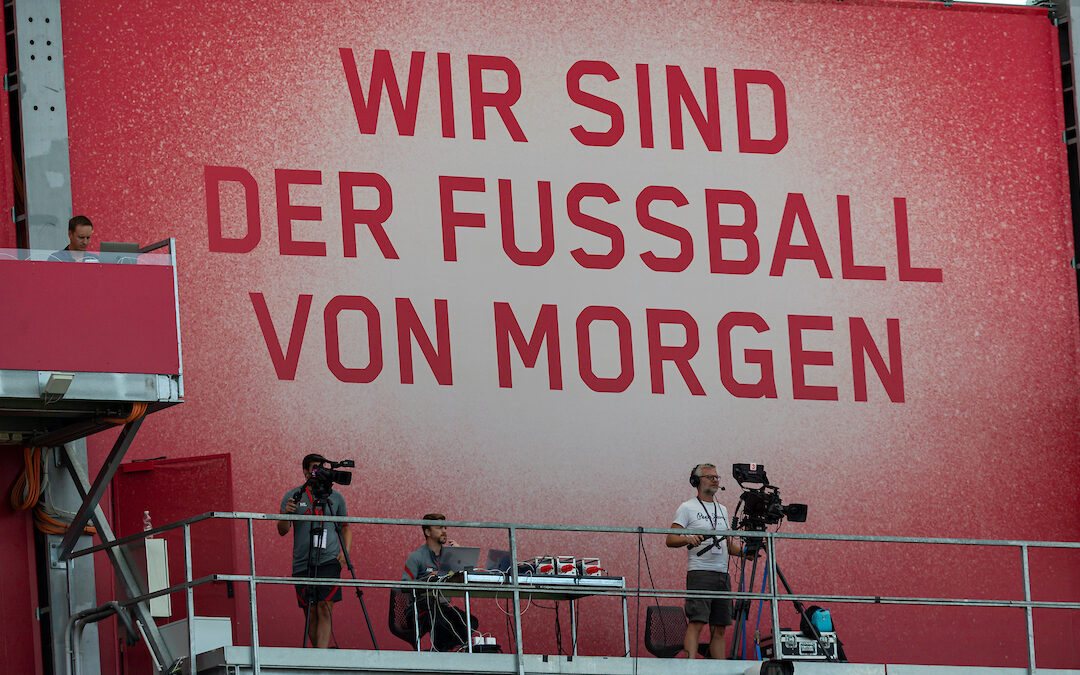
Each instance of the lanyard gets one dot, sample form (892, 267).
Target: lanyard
(715, 519)
(319, 512)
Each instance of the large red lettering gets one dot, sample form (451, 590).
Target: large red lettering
(546, 330)
(862, 345)
(848, 268)
(645, 198)
(383, 77)
(547, 225)
(287, 212)
(373, 218)
(593, 102)
(795, 209)
(598, 261)
(644, 100)
(765, 387)
(284, 360)
(718, 264)
(765, 146)
(679, 96)
(213, 177)
(903, 249)
(800, 358)
(336, 306)
(584, 345)
(500, 101)
(452, 219)
(409, 324)
(680, 355)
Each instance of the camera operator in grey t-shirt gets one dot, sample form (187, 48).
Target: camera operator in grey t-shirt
(317, 550)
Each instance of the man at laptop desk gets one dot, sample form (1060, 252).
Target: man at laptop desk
(449, 629)
(80, 229)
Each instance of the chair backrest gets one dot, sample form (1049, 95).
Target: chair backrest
(665, 628)
(400, 622)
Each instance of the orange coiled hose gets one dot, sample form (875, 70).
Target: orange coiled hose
(137, 411)
(26, 494)
(27, 489)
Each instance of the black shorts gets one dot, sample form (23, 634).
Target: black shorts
(714, 611)
(330, 570)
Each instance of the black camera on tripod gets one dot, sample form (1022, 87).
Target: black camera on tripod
(761, 506)
(324, 474)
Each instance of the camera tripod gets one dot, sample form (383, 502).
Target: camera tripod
(753, 546)
(318, 507)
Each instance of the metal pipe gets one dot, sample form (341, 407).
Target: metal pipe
(189, 594)
(73, 632)
(517, 601)
(1027, 610)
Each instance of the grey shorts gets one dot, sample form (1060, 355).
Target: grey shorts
(713, 611)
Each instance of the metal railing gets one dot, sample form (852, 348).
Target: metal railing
(514, 588)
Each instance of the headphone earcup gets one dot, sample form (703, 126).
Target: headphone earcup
(695, 480)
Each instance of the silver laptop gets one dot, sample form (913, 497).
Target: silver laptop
(458, 558)
(498, 560)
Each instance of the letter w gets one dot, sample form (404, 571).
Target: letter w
(383, 77)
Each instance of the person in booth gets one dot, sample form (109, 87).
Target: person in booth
(447, 623)
(80, 230)
(707, 561)
(328, 557)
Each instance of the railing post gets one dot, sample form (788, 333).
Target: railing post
(251, 595)
(189, 594)
(517, 601)
(774, 598)
(1027, 609)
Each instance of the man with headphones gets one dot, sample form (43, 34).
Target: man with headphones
(707, 566)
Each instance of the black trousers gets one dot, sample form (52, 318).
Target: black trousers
(449, 629)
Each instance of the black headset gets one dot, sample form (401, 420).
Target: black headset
(695, 480)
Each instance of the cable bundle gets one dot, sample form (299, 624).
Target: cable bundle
(33, 484)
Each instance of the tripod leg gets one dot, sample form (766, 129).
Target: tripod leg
(736, 621)
(742, 610)
(366, 619)
(814, 633)
(359, 593)
(307, 617)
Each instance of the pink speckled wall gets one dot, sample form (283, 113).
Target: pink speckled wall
(931, 134)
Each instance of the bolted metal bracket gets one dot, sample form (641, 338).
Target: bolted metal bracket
(55, 560)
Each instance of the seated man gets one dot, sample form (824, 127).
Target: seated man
(449, 630)
(80, 229)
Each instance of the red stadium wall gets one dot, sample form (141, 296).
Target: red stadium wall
(20, 637)
(842, 255)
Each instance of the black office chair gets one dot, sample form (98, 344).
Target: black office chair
(401, 624)
(665, 628)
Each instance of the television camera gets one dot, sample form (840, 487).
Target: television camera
(324, 474)
(760, 503)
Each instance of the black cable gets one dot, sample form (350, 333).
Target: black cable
(648, 569)
(558, 630)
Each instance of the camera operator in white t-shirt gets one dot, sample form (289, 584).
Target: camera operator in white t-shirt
(709, 570)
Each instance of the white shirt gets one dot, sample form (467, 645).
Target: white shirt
(714, 516)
